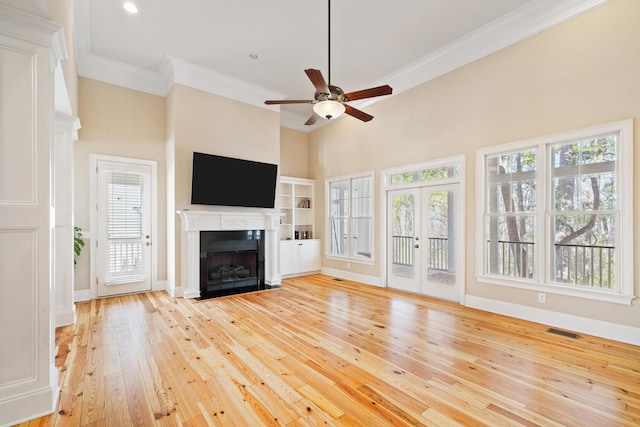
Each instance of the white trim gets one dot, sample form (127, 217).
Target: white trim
(624, 240)
(121, 74)
(205, 79)
(522, 23)
(31, 28)
(82, 295)
(557, 289)
(355, 277)
(33, 404)
(65, 316)
(585, 325)
(518, 25)
(173, 290)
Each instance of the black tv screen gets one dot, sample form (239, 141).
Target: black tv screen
(225, 181)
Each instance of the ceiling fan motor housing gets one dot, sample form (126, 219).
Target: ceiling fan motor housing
(337, 94)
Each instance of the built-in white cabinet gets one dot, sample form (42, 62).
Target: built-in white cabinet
(299, 252)
(299, 256)
(296, 208)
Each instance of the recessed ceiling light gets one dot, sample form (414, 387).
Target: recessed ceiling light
(130, 7)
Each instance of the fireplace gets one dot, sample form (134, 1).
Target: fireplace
(231, 262)
(195, 222)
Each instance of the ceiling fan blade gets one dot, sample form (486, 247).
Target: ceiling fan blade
(358, 114)
(312, 120)
(289, 101)
(318, 81)
(369, 93)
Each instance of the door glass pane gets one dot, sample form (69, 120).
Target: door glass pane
(441, 265)
(124, 226)
(403, 233)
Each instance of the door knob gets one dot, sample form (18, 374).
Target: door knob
(417, 246)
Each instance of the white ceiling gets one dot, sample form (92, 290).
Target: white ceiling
(207, 43)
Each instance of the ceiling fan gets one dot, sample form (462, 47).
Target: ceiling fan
(330, 101)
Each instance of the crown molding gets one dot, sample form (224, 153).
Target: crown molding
(205, 79)
(522, 23)
(30, 28)
(121, 74)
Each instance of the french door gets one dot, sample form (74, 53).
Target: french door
(123, 221)
(425, 253)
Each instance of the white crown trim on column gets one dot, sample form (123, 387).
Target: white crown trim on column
(28, 27)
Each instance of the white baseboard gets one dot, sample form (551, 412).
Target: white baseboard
(173, 290)
(82, 295)
(28, 406)
(65, 316)
(348, 275)
(598, 328)
(160, 285)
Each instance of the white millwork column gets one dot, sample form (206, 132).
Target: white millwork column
(30, 50)
(62, 197)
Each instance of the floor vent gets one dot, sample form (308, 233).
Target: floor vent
(563, 333)
(338, 280)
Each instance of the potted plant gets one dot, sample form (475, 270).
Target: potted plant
(78, 244)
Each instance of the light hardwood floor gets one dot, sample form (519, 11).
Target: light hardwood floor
(323, 352)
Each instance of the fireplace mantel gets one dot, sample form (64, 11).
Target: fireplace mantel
(193, 222)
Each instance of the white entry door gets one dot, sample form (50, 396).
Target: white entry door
(425, 253)
(123, 241)
(404, 234)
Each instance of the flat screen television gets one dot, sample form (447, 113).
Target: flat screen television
(225, 181)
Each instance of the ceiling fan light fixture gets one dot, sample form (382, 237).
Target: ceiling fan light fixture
(329, 109)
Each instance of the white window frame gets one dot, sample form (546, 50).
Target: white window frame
(624, 199)
(348, 257)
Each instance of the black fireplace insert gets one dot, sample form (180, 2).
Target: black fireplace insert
(231, 262)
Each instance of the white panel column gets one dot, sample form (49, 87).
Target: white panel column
(28, 376)
(62, 239)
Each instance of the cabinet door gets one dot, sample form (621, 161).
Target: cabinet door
(310, 255)
(289, 258)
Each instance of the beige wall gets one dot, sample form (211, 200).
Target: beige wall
(213, 124)
(581, 73)
(294, 153)
(119, 122)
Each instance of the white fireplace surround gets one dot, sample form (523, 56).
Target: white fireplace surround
(193, 222)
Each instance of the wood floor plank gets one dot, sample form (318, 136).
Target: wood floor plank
(317, 351)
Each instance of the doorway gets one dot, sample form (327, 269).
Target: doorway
(425, 253)
(123, 224)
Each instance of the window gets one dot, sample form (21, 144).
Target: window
(425, 175)
(351, 217)
(557, 213)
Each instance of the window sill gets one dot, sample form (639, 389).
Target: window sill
(591, 294)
